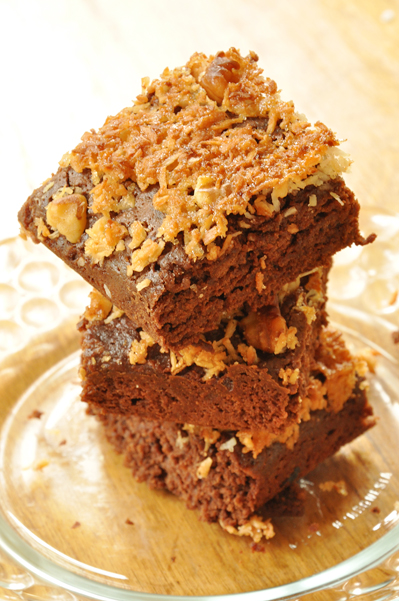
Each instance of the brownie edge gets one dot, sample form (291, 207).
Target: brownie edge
(236, 485)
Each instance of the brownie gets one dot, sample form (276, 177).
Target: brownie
(250, 373)
(209, 193)
(210, 469)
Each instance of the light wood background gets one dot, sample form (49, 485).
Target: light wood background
(67, 64)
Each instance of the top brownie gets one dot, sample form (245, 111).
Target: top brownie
(209, 193)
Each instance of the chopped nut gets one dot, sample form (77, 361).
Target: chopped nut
(313, 200)
(138, 349)
(210, 436)
(181, 440)
(228, 445)
(143, 284)
(293, 229)
(190, 428)
(259, 282)
(99, 307)
(115, 314)
(205, 192)
(337, 198)
(255, 528)
(67, 215)
(290, 211)
(263, 330)
(204, 468)
(218, 75)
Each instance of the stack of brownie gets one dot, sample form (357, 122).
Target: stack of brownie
(205, 217)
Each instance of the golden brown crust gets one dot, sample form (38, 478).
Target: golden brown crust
(191, 133)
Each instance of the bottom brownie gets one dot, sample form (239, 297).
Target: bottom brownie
(215, 473)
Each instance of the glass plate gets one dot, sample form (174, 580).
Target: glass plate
(74, 523)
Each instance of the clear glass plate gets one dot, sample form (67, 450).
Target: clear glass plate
(74, 523)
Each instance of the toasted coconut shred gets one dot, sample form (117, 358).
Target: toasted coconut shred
(188, 132)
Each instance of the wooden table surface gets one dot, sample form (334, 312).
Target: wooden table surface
(67, 64)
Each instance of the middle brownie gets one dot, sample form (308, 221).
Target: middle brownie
(251, 372)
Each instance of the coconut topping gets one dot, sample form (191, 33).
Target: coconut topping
(340, 368)
(255, 527)
(103, 238)
(192, 134)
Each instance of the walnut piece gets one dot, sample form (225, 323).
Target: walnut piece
(218, 76)
(143, 284)
(67, 215)
(139, 349)
(228, 445)
(99, 308)
(204, 468)
(265, 329)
